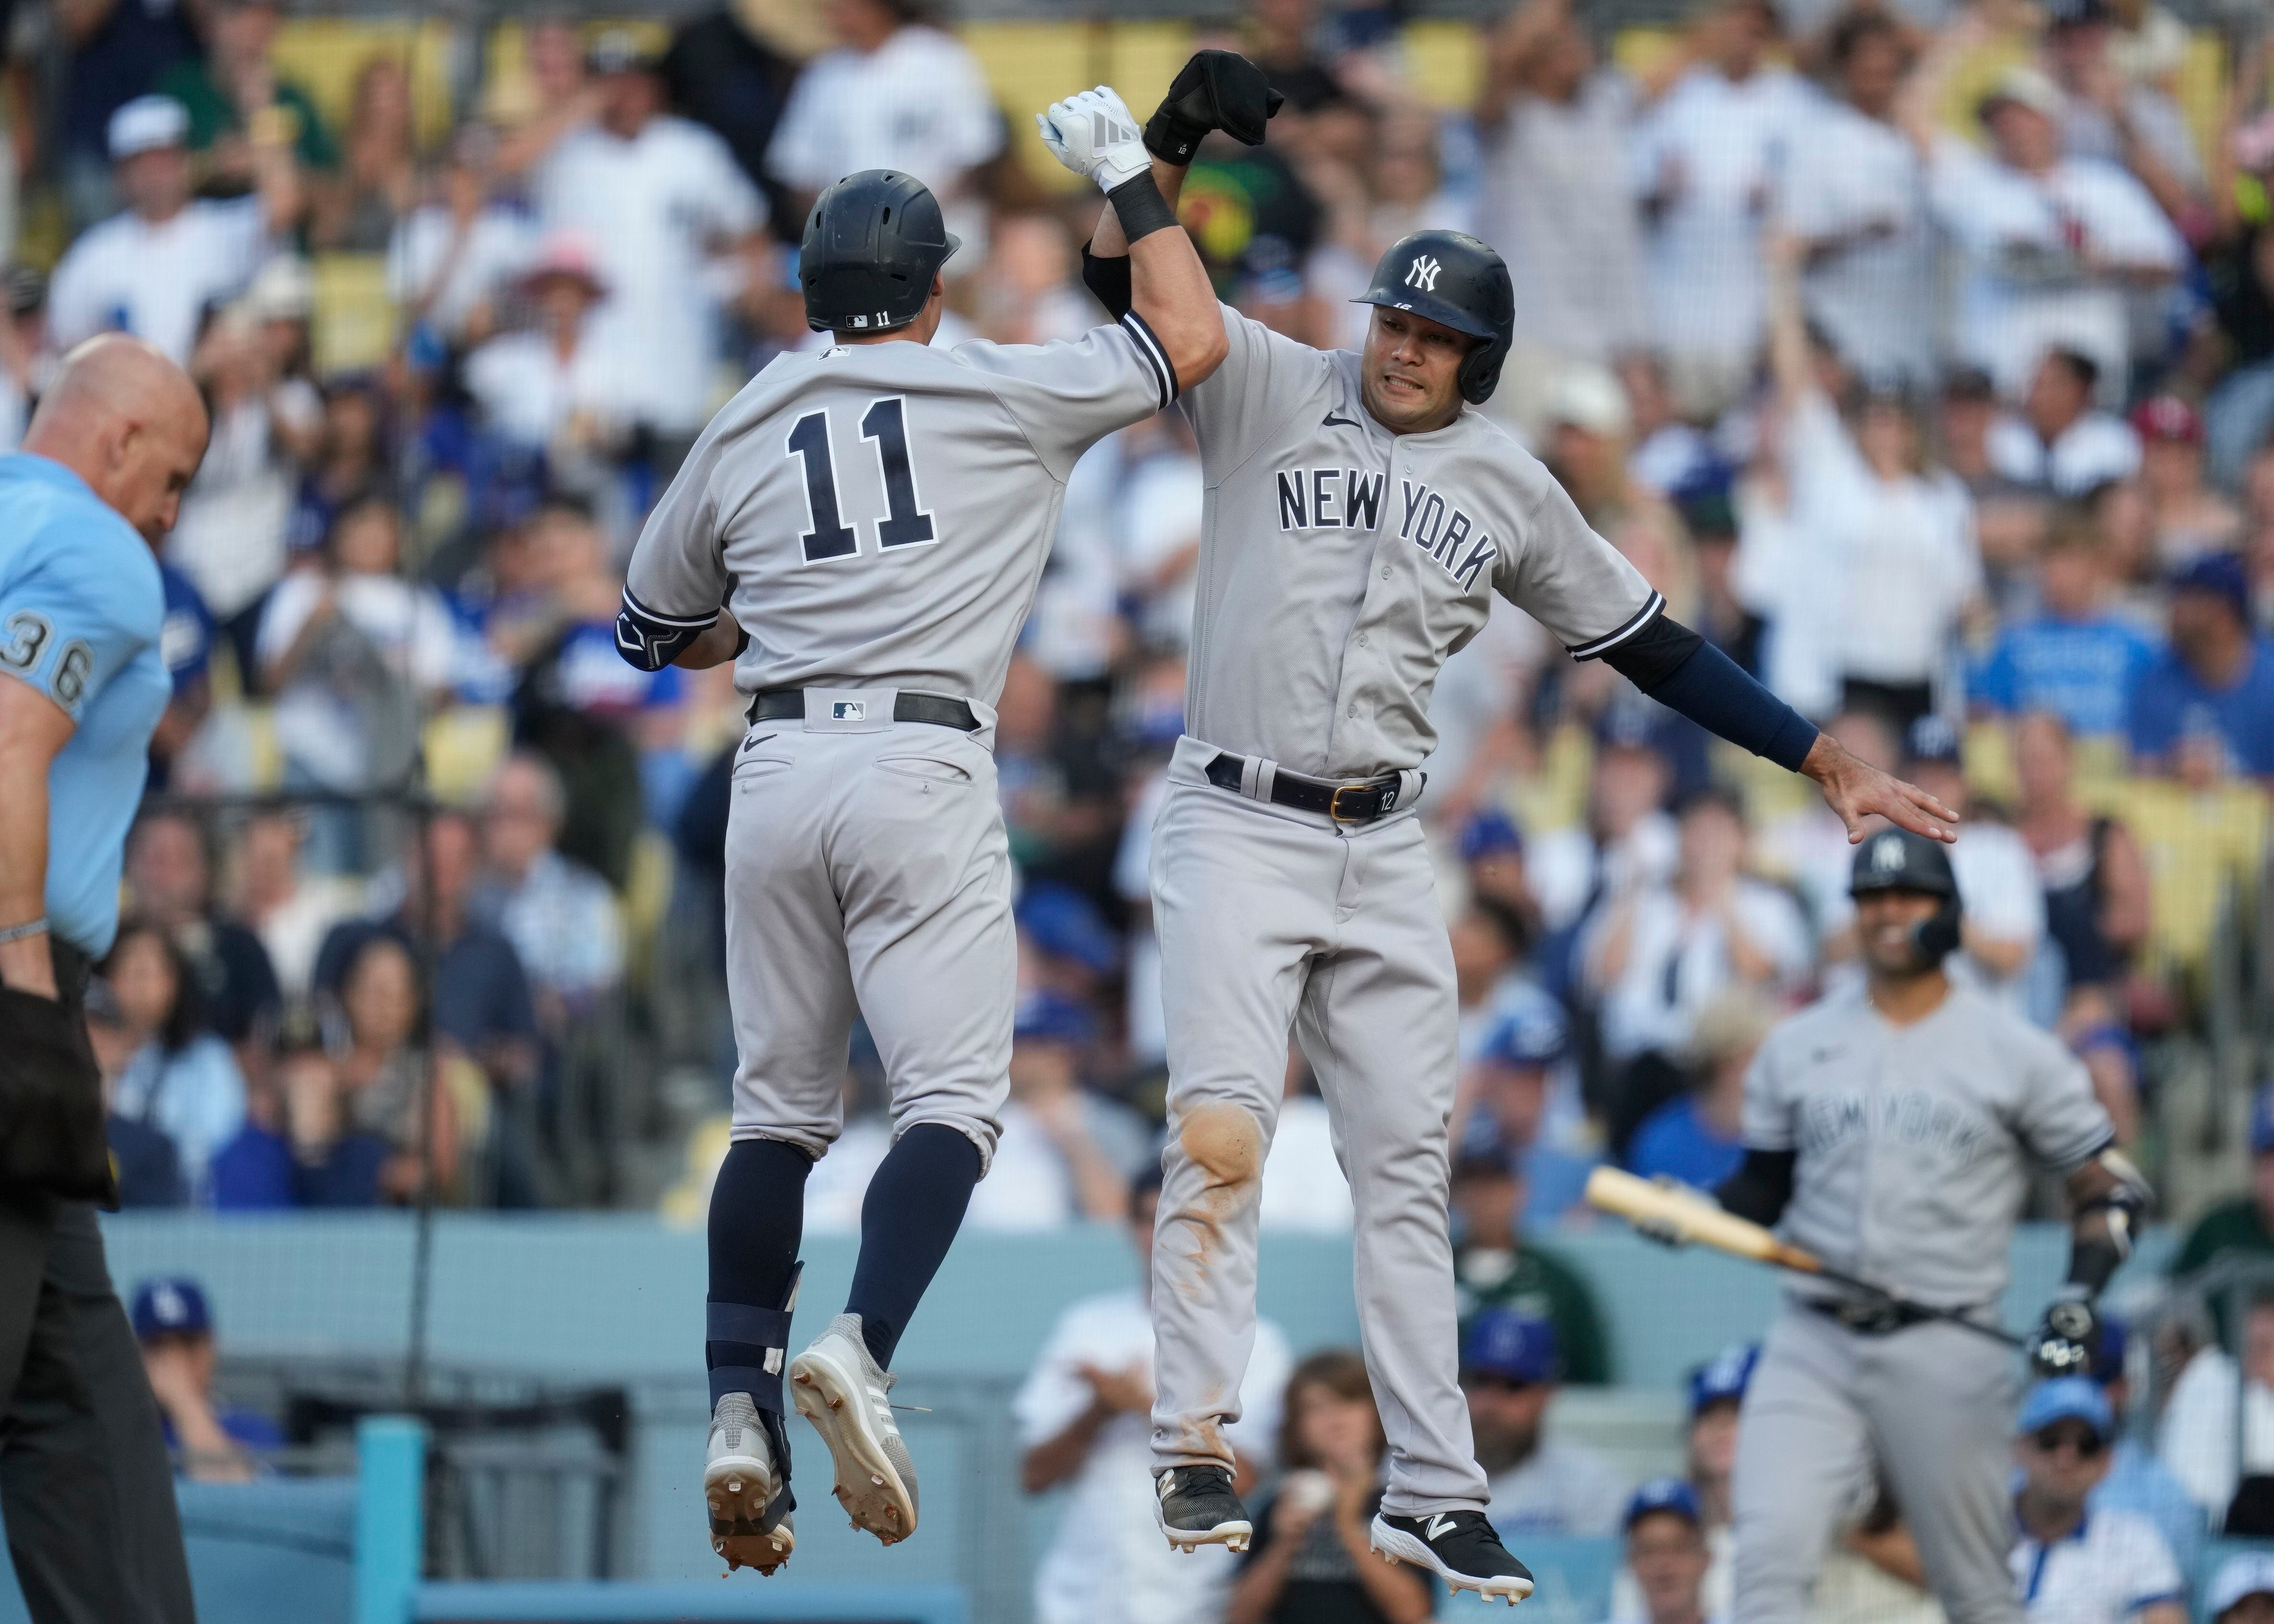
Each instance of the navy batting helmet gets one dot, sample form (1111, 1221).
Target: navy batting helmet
(1897, 860)
(873, 244)
(1452, 278)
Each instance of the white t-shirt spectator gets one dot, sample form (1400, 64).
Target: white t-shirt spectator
(2196, 1436)
(2096, 448)
(1551, 172)
(1569, 869)
(652, 208)
(1161, 509)
(2112, 1566)
(1107, 1564)
(1560, 1490)
(527, 393)
(155, 280)
(499, 243)
(1028, 1185)
(236, 517)
(2024, 240)
(321, 731)
(1304, 1189)
(917, 103)
(1903, 550)
(1676, 963)
(1854, 177)
(1726, 144)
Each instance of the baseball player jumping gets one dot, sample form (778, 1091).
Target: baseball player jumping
(874, 519)
(1891, 1131)
(1359, 519)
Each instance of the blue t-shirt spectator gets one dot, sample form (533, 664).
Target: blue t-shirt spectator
(2171, 703)
(149, 1166)
(2081, 671)
(1677, 1140)
(185, 641)
(257, 1172)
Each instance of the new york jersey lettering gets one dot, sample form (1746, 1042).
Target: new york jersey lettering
(1319, 499)
(1446, 534)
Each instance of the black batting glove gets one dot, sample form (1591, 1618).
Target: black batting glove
(2063, 1343)
(1216, 90)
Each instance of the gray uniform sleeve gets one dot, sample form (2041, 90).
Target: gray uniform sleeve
(1067, 396)
(1766, 1123)
(2060, 1119)
(1264, 378)
(677, 578)
(1570, 580)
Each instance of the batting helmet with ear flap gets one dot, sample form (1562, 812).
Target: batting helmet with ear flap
(1897, 860)
(1453, 279)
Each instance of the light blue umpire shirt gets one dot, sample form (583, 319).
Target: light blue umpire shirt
(81, 610)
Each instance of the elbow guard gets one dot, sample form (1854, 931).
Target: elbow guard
(1685, 672)
(2104, 1224)
(651, 641)
(1109, 282)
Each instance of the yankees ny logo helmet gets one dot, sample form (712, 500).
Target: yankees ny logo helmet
(1897, 860)
(1422, 274)
(1453, 279)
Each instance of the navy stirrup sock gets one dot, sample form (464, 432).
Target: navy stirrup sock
(758, 1219)
(908, 1220)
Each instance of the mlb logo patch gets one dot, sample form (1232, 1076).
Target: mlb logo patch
(848, 710)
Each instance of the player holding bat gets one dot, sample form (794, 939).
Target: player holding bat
(1889, 1133)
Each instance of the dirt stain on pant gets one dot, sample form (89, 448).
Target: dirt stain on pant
(1226, 1142)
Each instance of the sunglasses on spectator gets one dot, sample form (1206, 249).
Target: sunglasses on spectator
(2050, 1440)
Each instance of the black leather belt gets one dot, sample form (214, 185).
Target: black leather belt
(1872, 1316)
(1345, 803)
(788, 704)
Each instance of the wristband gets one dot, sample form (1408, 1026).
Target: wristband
(1139, 207)
(29, 927)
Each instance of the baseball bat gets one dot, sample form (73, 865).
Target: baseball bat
(1690, 1216)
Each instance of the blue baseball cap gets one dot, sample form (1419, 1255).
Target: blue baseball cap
(1052, 1018)
(1064, 924)
(1487, 834)
(1670, 1495)
(172, 1306)
(1724, 1377)
(2219, 574)
(1513, 1345)
(1532, 1031)
(2066, 1398)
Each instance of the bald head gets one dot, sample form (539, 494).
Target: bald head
(124, 417)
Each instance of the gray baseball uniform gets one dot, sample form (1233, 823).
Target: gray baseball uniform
(1339, 565)
(1914, 1146)
(881, 514)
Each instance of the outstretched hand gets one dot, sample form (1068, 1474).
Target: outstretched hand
(1856, 791)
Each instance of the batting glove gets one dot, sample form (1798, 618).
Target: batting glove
(2063, 1343)
(1096, 135)
(1216, 90)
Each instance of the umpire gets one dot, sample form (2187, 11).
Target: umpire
(84, 1480)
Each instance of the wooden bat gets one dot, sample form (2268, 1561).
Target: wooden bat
(1690, 1216)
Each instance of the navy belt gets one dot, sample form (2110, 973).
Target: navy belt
(1347, 803)
(788, 704)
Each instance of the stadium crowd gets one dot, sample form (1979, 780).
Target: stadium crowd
(1922, 353)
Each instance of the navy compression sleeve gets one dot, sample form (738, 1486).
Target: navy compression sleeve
(1685, 672)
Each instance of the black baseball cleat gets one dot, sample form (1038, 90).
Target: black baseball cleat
(1460, 1547)
(1196, 1507)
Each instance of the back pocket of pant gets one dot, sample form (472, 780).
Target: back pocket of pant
(926, 768)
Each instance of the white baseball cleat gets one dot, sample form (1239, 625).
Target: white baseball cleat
(739, 1484)
(838, 1387)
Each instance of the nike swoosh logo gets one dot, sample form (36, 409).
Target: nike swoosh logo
(1333, 422)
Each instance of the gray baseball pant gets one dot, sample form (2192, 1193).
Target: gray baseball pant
(867, 872)
(1932, 1407)
(1268, 919)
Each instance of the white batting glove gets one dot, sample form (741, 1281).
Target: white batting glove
(1094, 135)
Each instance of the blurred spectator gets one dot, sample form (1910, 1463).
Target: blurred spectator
(1696, 1137)
(1490, 945)
(1705, 161)
(2225, 1461)
(676, 229)
(1495, 1266)
(1510, 1366)
(423, 1100)
(2243, 1224)
(1311, 1557)
(1304, 1189)
(2002, 899)
(450, 255)
(345, 463)
(1083, 1420)
(2050, 243)
(2094, 879)
(1855, 195)
(2242, 1591)
(353, 652)
(1492, 862)
(1657, 956)
(1065, 1154)
(234, 87)
(181, 1080)
(2117, 118)
(2137, 1481)
(142, 1154)
(1717, 1389)
(560, 916)
(1668, 1555)
(2075, 657)
(1159, 540)
(112, 53)
(551, 387)
(1065, 944)
(2240, 265)
(289, 911)
(378, 180)
(2057, 441)
(1809, 848)
(209, 1439)
(2107, 1568)
(723, 71)
(154, 268)
(185, 641)
(2009, 516)
(1552, 126)
(170, 875)
(2215, 683)
(1626, 839)
(1511, 1080)
(2189, 518)
(300, 1146)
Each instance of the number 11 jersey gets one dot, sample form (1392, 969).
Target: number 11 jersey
(878, 516)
